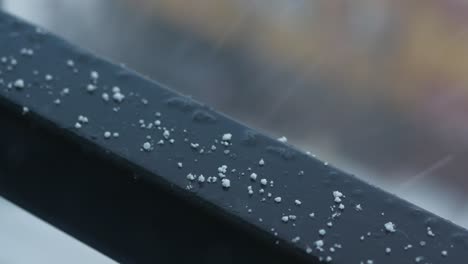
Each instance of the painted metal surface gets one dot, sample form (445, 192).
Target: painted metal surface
(295, 201)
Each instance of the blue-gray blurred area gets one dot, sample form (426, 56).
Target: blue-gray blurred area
(25, 239)
(376, 87)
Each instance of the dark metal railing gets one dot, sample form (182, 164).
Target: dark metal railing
(147, 175)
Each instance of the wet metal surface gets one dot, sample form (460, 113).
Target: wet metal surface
(376, 87)
(375, 91)
(296, 201)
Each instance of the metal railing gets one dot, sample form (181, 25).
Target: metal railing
(147, 175)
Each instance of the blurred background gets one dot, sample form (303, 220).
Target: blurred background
(376, 87)
(25, 239)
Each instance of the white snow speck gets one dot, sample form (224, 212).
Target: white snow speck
(118, 97)
(107, 134)
(388, 250)
(444, 253)
(26, 51)
(297, 202)
(94, 75)
(226, 183)
(105, 97)
(166, 134)
(264, 181)
(408, 247)
(212, 179)
(322, 232)
(222, 171)
(115, 89)
(261, 162)
(338, 195)
(278, 199)
(253, 176)
(147, 146)
(83, 119)
(419, 259)
(190, 177)
(227, 137)
(319, 244)
(296, 239)
(283, 139)
(91, 88)
(201, 178)
(65, 91)
(285, 218)
(429, 232)
(19, 83)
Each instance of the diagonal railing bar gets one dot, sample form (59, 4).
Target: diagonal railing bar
(262, 186)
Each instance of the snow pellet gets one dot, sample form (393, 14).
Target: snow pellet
(190, 177)
(261, 162)
(283, 139)
(227, 137)
(226, 183)
(19, 83)
(147, 146)
(322, 232)
(253, 176)
(201, 178)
